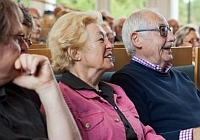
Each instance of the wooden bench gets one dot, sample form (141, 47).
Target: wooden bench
(38, 46)
(41, 51)
(182, 56)
(196, 67)
(119, 45)
(120, 58)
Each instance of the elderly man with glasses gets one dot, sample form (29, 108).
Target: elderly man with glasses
(165, 98)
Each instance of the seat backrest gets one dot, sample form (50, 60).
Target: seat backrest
(183, 62)
(118, 45)
(188, 69)
(107, 76)
(42, 51)
(196, 68)
(120, 58)
(38, 46)
(182, 55)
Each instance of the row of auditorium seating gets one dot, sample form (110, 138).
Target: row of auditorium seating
(182, 60)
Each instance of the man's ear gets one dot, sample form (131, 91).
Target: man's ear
(74, 54)
(136, 40)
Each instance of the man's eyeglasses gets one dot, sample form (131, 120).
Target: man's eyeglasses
(20, 39)
(162, 29)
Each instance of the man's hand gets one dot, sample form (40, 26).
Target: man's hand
(196, 133)
(36, 72)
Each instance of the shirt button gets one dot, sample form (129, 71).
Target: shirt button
(116, 119)
(87, 125)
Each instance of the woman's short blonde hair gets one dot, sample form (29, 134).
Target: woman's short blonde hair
(69, 31)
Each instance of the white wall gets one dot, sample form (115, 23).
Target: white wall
(168, 8)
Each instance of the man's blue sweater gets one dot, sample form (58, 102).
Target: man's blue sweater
(168, 102)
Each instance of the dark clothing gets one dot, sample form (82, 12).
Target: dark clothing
(168, 102)
(106, 92)
(19, 117)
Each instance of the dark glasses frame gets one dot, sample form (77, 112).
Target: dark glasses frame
(162, 29)
(21, 38)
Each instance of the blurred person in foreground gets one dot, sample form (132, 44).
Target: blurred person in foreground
(187, 36)
(82, 52)
(19, 117)
(165, 98)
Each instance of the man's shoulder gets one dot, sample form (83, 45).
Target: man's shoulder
(128, 69)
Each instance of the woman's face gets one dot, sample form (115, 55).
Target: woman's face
(192, 39)
(97, 51)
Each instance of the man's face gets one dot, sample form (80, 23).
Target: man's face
(155, 47)
(10, 51)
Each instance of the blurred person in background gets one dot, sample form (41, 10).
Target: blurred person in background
(187, 36)
(108, 18)
(118, 24)
(35, 36)
(27, 24)
(109, 33)
(174, 24)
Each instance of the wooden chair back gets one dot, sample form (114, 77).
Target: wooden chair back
(120, 58)
(38, 46)
(119, 45)
(44, 33)
(182, 56)
(42, 51)
(196, 67)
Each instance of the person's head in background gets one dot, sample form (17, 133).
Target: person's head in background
(174, 24)
(187, 36)
(110, 34)
(34, 12)
(77, 39)
(108, 18)
(27, 24)
(118, 24)
(61, 13)
(12, 43)
(57, 9)
(35, 36)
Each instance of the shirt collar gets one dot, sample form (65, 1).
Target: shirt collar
(152, 66)
(77, 84)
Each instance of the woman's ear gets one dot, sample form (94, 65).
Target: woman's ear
(74, 54)
(136, 40)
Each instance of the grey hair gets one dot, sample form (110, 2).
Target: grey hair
(136, 21)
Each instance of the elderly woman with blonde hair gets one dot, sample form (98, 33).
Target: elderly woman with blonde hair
(187, 36)
(82, 52)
